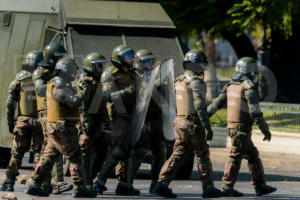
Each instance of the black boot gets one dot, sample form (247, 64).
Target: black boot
(209, 191)
(230, 192)
(80, 191)
(163, 190)
(61, 187)
(126, 190)
(152, 187)
(8, 185)
(36, 190)
(99, 187)
(264, 189)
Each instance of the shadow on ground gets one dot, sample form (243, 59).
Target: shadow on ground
(145, 174)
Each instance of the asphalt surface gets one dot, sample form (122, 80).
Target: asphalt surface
(281, 171)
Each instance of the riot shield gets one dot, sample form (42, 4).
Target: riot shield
(167, 98)
(144, 93)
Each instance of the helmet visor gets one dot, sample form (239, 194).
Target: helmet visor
(148, 62)
(99, 65)
(127, 56)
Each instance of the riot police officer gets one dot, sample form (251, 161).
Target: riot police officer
(62, 117)
(152, 137)
(119, 90)
(52, 53)
(26, 128)
(92, 115)
(192, 127)
(242, 111)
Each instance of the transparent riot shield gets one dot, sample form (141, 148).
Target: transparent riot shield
(167, 98)
(144, 93)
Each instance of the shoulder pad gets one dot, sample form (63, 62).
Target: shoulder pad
(22, 75)
(107, 74)
(58, 82)
(248, 84)
(39, 72)
(190, 77)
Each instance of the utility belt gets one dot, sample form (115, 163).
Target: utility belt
(42, 114)
(240, 126)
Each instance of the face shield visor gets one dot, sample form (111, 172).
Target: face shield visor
(99, 65)
(127, 56)
(148, 62)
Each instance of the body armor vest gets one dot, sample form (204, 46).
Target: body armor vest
(27, 105)
(57, 111)
(184, 96)
(237, 107)
(41, 103)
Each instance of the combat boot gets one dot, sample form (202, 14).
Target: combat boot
(8, 185)
(264, 189)
(99, 187)
(126, 190)
(61, 187)
(228, 191)
(209, 191)
(36, 190)
(80, 191)
(162, 189)
(152, 187)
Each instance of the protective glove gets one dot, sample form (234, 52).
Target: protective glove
(130, 89)
(209, 134)
(267, 136)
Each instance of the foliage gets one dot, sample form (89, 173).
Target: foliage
(274, 14)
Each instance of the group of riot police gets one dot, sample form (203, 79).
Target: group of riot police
(86, 117)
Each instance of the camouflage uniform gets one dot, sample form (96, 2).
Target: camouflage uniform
(61, 131)
(27, 127)
(40, 78)
(242, 111)
(116, 89)
(190, 131)
(91, 135)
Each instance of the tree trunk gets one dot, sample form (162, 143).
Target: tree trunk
(211, 73)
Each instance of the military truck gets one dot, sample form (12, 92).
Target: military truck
(83, 27)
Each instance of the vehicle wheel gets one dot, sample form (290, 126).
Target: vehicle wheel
(5, 154)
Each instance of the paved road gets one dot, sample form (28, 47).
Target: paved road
(282, 171)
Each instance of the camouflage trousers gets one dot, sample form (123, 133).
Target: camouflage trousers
(188, 137)
(27, 133)
(94, 148)
(242, 147)
(151, 139)
(62, 139)
(57, 174)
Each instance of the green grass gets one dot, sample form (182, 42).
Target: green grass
(283, 122)
(225, 73)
